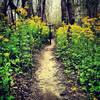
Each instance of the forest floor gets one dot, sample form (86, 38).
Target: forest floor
(48, 81)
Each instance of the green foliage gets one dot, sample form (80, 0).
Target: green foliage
(16, 49)
(80, 54)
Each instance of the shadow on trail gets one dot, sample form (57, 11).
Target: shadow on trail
(49, 96)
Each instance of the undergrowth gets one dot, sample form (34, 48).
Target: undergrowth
(17, 43)
(78, 48)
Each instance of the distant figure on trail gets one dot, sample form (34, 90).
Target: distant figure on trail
(50, 33)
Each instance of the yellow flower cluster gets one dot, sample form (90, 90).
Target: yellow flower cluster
(62, 30)
(88, 33)
(88, 22)
(36, 23)
(78, 31)
(36, 19)
(22, 11)
(18, 22)
(45, 30)
(92, 22)
(6, 54)
(4, 39)
(97, 26)
(31, 23)
(1, 36)
(76, 28)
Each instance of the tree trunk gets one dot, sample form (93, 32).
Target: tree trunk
(23, 3)
(64, 10)
(30, 9)
(70, 11)
(53, 11)
(41, 9)
(35, 6)
(92, 7)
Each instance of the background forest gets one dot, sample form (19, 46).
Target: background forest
(25, 26)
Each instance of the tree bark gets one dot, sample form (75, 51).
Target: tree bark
(53, 11)
(12, 5)
(41, 9)
(64, 10)
(70, 11)
(23, 3)
(92, 7)
(35, 7)
(30, 9)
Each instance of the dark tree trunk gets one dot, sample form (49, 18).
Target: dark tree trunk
(12, 5)
(30, 9)
(23, 3)
(41, 9)
(5, 7)
(70, 11)
(17, 2)
(12, 17)
(92, 6)
(64, 10)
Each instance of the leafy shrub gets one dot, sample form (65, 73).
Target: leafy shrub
(16, 46)
(79, 51)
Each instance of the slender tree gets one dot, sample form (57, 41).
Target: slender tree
(67, 11)
(5, 7)
(41, 9)
(92, 7)
(70, 11)
(64, 10)
(23, 3)
(30, 9)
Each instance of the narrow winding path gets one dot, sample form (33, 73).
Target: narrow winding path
(51, 82)
(48, 82)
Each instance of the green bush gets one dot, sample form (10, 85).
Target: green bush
(16, 48)
(79, 51)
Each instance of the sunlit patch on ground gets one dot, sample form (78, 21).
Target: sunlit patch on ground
(48, 81)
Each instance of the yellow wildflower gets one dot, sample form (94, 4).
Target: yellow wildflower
(22, 11)
(76, 28)
(18, 22)
(36, 18)
(6, 54)
(45, 30)
(61, 31)
(74, 88)
(1, 36)
(5, 39)
(87, 22)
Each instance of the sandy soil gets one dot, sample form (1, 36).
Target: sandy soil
(48, 81)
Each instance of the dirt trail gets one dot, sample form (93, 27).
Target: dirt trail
(48, 82)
